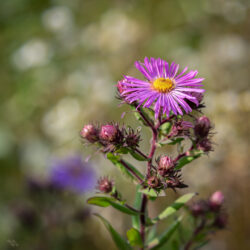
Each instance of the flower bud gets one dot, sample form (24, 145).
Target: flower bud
(153, 182)
(216, 200)
(165, 164)
(205, 145)
(221, 220)
(90, 133)
(108, 133)
(202, 127)
(199, 208)
(105, 185)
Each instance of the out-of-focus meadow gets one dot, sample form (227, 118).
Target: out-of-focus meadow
(60, 61)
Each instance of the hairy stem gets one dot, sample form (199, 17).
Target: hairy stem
(144, 197)
(131, 171)
(195, 233)
(140, 153)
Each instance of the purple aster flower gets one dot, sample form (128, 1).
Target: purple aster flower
(163, 87)
(72, 174)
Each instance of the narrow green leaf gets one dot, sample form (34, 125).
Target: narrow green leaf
(116, 161)
(120, 242)
(187, 159)
(138, 116)
(137, 205)
(135, 169)
(165, 236)
(137, 156)
(107, 201)
(122, 151)
(134, 237)
(180, 202)
(99, 201)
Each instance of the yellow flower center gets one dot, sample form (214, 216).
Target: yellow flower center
(163, 85)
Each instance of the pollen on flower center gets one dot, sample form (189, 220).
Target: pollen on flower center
(163, 85)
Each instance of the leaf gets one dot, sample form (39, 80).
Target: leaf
(180, 202)
(150, 192)
(187, 159)
(120, 242)
(137, 205)
(139, 118)
(134, 237)
(175, 141)
(165, 236)
(107, 201)
(152, 233)
(99, 201)
(116, 161)
(165, 128)
(134, 169)
(137, 156)
(122, 151)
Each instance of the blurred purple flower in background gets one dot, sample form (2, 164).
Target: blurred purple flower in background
(72, 173)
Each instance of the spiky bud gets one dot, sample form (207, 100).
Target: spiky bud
(164, 165)
(175, 182)
(199, 208)
(108, 133)
(221, 220)
(153, 182)
(216, 200)
(90, 133)
(202, 127)
(205, 145)
(105, 185)
(132, 138)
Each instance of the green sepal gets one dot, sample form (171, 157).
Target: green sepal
(134, 237)
(102, 201)
(120, 242)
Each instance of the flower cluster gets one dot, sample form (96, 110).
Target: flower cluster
(110, 137)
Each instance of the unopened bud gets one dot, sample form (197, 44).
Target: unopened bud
(105, 185)
(221, 220)
(164, 165)
(90, 133)
(153, 182)
(199, 208)
(108, 133)
(202, 127)
(205, 145)
(216, 200)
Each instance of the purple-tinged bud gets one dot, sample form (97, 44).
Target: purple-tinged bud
(132, 138)
(108, 133)
(199, 208)
(221, 220)
(216, 200)
(164, 165)
(202, 127)
(105, 185)
(90, 133)
(153, 182)
(198, 96)
(205, 145)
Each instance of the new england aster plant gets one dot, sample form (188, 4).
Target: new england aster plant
(170, 104)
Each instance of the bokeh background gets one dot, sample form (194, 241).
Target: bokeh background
(60, 61)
